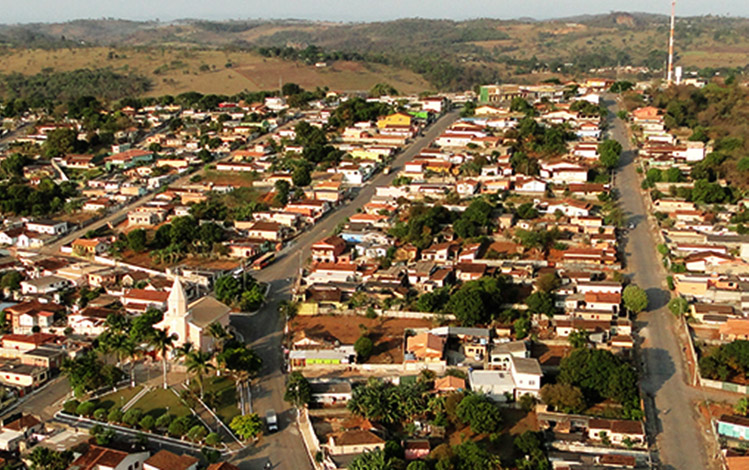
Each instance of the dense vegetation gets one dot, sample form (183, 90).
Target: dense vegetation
(46, 198)
(726, 362)
(714, 113)
(43, 89)
(600, 375)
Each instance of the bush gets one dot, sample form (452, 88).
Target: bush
(115, 415)
(197, 433)
(71, 406)
(213, 439)
(86, 408)
(670, 282)
(180, 426)
(211, 455)
(132, 417)
(163, 421)
(147, 422)
(363, 347)
(100, 414)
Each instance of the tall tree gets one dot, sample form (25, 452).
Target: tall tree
(163, 342)
(198, 364)
(298, 390)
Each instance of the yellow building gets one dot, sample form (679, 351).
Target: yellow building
(396, 119)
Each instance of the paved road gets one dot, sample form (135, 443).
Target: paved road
(680, 443)
(264, 330)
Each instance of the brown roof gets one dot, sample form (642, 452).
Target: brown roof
(735, 326)
(34, 338)
(22, 423)
(737, 462)
(265, 226)
(617, 425)
(165, 460)
(603, 297)
(425, 344)
(619, 460)
(33, 307)
(449, 383)
(356, 437)
(96, 456)
(145, 294)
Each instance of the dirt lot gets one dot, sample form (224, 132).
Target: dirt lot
(225, 178)
(387, 334)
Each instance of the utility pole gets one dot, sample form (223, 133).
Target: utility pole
(669, 78)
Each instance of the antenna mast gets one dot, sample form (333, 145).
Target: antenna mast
(669, 78)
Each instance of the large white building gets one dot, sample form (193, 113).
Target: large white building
(189, 322)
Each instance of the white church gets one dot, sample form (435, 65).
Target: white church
(189, 322)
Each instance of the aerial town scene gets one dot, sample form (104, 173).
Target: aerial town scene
(398, 236)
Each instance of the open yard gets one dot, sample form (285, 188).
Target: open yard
(386, 333)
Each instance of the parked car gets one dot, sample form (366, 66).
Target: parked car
(271, 420)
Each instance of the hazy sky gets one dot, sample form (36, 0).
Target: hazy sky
(25, 11)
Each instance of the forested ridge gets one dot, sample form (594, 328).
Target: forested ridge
(47, 87)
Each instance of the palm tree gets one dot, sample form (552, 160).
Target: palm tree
(219, 334)
(163, 342)
(119, 344)
(135, 353)
(198, 363)
(288, 309)
(184, 350)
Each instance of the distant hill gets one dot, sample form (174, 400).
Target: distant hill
(446, 54)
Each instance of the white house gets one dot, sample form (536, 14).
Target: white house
(332, 272)
(50, 227)
(523, 377)
(44, 285)
(530, 185)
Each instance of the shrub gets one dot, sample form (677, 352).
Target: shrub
(213, 439)
(115, 415)
(71, 406)
(180, 426)
(147, 422)
(197, 433)
(86, 408)
(132, 416)
(163, 421)
(100, 414)
(211, 455)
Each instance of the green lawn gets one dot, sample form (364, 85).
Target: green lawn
(226, 397)
(158, 401)
(119, 398)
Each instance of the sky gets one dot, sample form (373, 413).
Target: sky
(28, 11)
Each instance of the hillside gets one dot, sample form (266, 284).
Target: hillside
(445, 54)
(177, 70)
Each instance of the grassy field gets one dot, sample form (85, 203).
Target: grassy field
(226, 397)
(177, 70)
(159, 401)
(119, 398)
